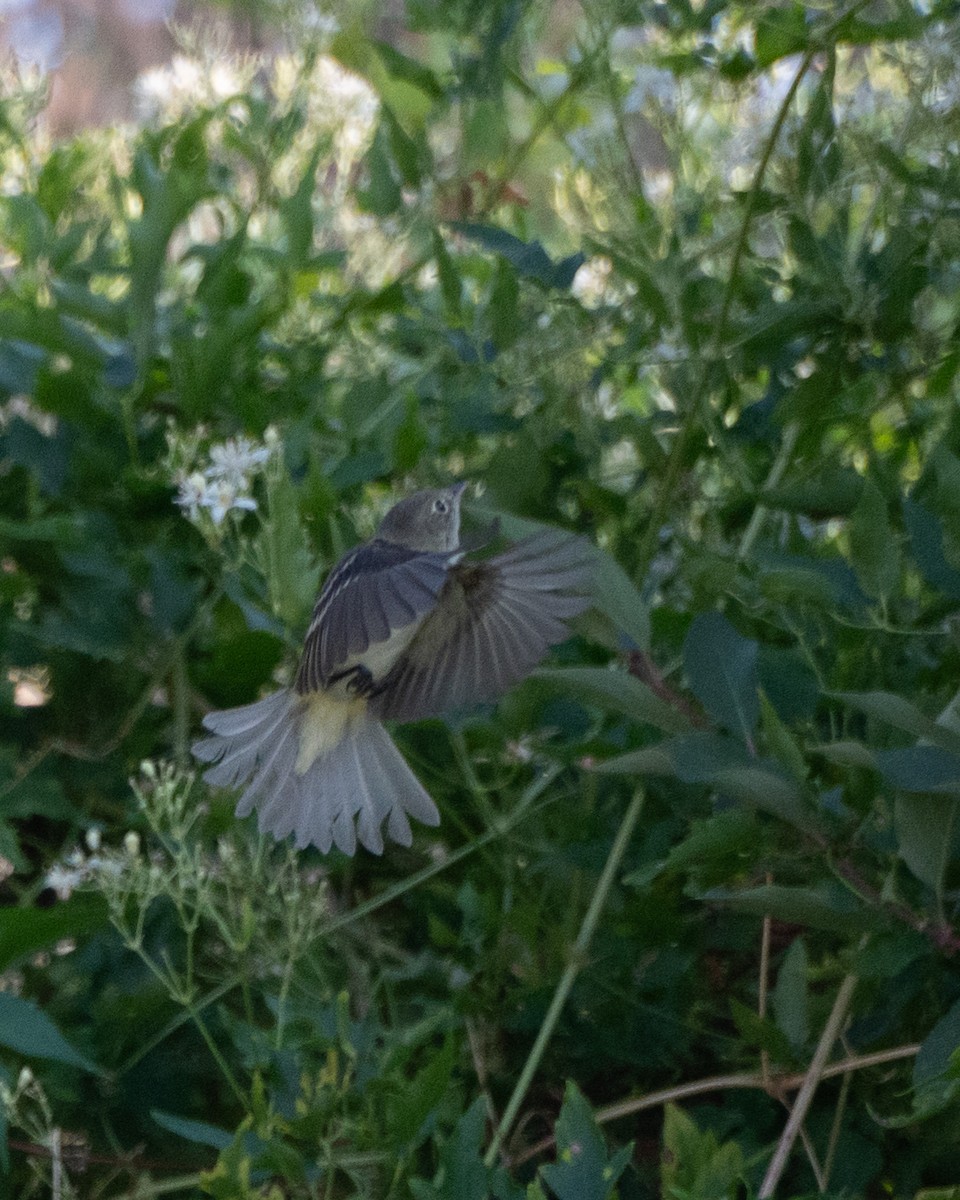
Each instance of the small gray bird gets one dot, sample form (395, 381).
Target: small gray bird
(404, 628)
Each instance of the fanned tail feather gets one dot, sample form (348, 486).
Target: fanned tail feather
(345, 794)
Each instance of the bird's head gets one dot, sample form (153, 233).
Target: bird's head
(428, 520)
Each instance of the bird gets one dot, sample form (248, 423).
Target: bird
(408, 625)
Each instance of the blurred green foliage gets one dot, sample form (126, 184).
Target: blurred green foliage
(681, 277)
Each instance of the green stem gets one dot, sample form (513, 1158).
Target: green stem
(218, 1057)
(574, 966)
(180, 699)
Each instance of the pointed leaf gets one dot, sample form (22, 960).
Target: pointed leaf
(921, 769)
(27, 1030)
(926, 828)
(652, 760)
(789, 998)
(582, 1170)
(26, 930)
(901, 714)
(464, 1175)
(617, 691)
(200, 1132)
(721, 666)
(935, 1077)
(828, 906)
(873, 547)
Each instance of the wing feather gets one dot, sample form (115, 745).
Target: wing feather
(376, 589)
(492, 623)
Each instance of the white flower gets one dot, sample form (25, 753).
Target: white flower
(192, 494)
(64, 878)
(235, 460)
(222, 497)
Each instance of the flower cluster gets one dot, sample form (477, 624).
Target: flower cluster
(80, 867)
(224, 485)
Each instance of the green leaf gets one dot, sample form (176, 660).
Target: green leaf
(769, 791)
(26, 930)
(651, 760)
(296, 212)
(936, 1079)
(789, 998)
(780, 31)
(200, 1132)
(693, 1164)
(450, 281)
(399, 66)
(619, 598)
(529, 258)
(731, 832)
(901, 714)
(27, 1030)
(464, 1175)
(414, 1113)
(382, 195)
(721, 666)
(292, 575)
(582, 1170)
(926, 829)
(847, 753)
(760, 1033)
(823, 906)
(874, 552)
(615, 690)
(780, 741)
(410, 438)
(927, 546)
(920, 769)
(832, 491)
(700, 756)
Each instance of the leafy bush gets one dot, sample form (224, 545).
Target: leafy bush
(680, 277)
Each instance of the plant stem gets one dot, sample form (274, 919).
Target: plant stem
(577, 959)
(831, 1031)
(721, 1083)
(180, 699)
(218, 1057)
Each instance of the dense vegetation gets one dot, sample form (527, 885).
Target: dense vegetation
(682, 277)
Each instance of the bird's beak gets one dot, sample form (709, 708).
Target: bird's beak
(459, 488)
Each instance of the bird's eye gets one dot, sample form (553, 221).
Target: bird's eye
(440, 506)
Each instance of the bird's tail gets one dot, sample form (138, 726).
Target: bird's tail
(323, 770)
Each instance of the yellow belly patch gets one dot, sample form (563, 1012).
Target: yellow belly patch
(323, 724)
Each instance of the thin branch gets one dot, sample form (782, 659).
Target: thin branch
(720, 1083)
(764, 986)
(831, 1031)
(578, 958)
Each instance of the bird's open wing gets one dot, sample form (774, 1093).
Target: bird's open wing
(375, 590)
(492, 624)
